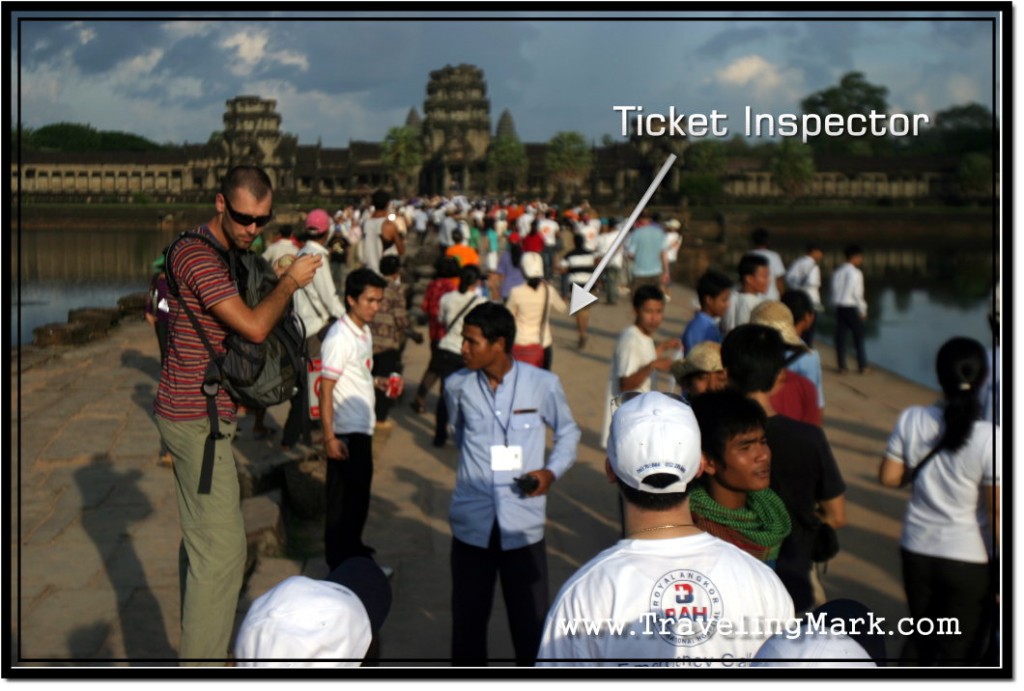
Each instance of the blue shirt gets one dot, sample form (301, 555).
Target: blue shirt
(702, 327)
(510, 275)
(646, 245)
(809, 365)
(478, 419)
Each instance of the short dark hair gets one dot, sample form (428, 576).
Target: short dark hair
(852, 251)
(651, 501)
(750, 263)
(813, 246)
(721, 415)
(358, 281)
(447, 267)
(456, 236)
(380, 200)
(711, 284)
(286, 230)
(469, 276)
(645, 293)
(390, 264)
(798, 302)
(759, 237)
(753, 355)
(251, 178)
(494, 322)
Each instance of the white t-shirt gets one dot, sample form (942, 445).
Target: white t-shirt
(347, 357)
(672, 241)
(775, 267)
(942, 517)
(633, 350)
(604, 244)
(739, 309)
(549, 231)
(804, 274)
(449, 307)
(681, 602)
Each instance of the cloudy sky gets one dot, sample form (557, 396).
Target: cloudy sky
(338, 77)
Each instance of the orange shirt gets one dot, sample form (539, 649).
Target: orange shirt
(465, 255)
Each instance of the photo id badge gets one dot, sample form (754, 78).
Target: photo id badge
(506, 458)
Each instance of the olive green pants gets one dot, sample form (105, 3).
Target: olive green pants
(211, 558)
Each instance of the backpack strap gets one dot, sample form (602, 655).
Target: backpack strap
(212, 378)
(912, 477)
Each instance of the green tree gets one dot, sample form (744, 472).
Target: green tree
(66, 136)
(853, 94)
(402, 154)
(706, 157)
(568, 161)
(703, 189)
(965, 129)
(974, 176)
(507, 163)
(793, 167)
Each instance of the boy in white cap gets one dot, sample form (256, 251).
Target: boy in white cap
(302, 622)
(668, 594)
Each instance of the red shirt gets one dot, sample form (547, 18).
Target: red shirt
(432, 304)
(797, 399)
(203, 281)
(534, 242)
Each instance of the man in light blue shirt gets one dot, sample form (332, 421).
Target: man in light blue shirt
(647, 248)
(499, 409)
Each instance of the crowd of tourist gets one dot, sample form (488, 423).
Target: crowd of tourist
(730, 494)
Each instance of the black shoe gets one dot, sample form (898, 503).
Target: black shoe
(439, 442)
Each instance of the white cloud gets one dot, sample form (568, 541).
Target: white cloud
(751, 68)
(179, 30)
(251, 48)
(86, 35)
(130, 70)
(762, 78)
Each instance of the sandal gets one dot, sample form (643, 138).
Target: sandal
(418, 405)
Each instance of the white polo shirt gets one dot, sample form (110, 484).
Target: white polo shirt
(347, 358)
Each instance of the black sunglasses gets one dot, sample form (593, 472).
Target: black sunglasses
(245, 219)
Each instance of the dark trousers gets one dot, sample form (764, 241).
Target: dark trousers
(848, 319)
(937, 588)
(384, 363)
(348, 500)
(524, 584)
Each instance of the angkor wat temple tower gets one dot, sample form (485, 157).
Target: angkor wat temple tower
(456, 130)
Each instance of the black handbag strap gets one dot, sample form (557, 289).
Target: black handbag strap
(919, 467)
(544, 315)
(472, 301)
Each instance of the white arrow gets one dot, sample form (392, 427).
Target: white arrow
(581, 297)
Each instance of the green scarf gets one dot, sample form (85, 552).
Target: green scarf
(763, 522)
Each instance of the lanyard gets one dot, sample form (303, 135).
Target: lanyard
(512, 405)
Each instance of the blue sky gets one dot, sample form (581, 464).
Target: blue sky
(167, 75)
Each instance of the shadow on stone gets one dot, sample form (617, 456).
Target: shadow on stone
(113, 504)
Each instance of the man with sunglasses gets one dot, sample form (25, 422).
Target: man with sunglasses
(213, 547)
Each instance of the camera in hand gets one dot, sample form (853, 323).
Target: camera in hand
(527, 484)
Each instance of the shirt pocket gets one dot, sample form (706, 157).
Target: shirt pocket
(526, 423)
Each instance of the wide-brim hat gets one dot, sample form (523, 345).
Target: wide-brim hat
(703, 357)
(776, 315)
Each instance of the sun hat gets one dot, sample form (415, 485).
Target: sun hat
(843, 635)
(532, 265)
(776, 315)
(703, 357)
(304, 622)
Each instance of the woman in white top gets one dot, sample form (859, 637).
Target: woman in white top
(945, 452)
(531, 304)
(447, 359)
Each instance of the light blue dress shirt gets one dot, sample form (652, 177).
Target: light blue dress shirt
(479, 418)
(809, 365)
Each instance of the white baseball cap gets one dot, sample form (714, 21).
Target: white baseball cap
(654, 433)
(303, 622)
(532, 265)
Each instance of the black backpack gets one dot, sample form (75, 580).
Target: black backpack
(256, 375)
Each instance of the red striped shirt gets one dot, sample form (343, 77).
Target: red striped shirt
(203, 281)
